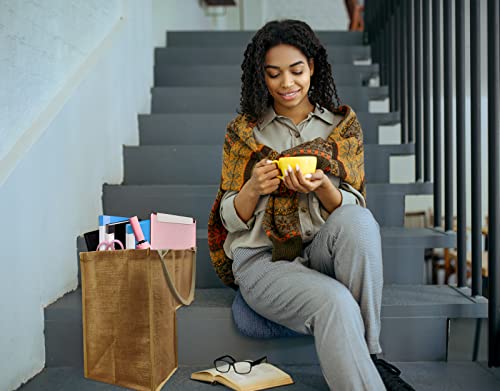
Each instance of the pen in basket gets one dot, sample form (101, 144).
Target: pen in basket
(139, 235)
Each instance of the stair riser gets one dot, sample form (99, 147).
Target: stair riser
(218, 336)
(403, 265)
(220, 76)
(234, 55)
(201, 338)
(64, 343)
(388, 209)
(206, 100)
(141, 200)
(210, 129)
(242, 38)
(378, 169)
(185, 165)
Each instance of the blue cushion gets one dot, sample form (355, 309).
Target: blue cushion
(251, 324)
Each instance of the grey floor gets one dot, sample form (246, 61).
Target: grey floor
(458, 374)
(426, 376)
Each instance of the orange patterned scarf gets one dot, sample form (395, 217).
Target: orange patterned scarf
(341, 154)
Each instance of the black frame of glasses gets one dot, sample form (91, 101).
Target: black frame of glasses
(233, 361)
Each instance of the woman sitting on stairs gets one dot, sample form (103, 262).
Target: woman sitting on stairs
(304, 251)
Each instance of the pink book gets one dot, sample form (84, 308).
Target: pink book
(172, 232)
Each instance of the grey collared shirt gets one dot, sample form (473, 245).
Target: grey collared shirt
(280, 133)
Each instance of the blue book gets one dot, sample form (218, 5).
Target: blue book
(146, 230)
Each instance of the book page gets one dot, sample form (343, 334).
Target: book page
(206, 374)
(213, 375)
(261, 375)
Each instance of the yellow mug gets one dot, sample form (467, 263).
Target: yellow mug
(307, 164)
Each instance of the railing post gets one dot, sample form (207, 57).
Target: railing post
(383, 45)
(436, 75)
(373, 29)
(378, 41)
(403, 84)
(476, 136)
(448, 115)
(397, 59)
(418, 90)
(392, 50)
(460, 88)
(385, 71)
(369, 25)
(426, 57)
(493, 182)
(410, 66)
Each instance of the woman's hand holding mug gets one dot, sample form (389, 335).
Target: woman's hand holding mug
(264, 179)
(300, 174)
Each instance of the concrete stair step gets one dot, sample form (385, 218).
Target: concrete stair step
(234, 55)
(202, 164)
(414, 328)
(230, 75)
(386, 201)
(417, 237)
(423, 376)
(225, 99)
(209, 129)
(241, 38)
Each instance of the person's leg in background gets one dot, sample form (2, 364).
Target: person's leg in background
(309, 302)
(355, 11)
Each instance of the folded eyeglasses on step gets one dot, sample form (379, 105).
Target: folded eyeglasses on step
(223, 364)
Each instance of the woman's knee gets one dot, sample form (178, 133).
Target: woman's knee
(353, 222)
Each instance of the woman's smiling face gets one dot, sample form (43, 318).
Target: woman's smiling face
(288, 78)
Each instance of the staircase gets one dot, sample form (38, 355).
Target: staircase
(176, 169)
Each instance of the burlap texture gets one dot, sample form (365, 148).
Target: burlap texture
(129, 324)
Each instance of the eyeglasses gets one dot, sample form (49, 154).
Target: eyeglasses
(223, 364)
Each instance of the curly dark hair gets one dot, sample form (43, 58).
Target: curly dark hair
(255, 97)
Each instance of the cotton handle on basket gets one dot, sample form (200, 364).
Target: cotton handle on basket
(170, 283)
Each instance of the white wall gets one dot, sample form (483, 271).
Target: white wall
(252, 14)
(56, 36)
(319, 14)
(177, 15)
(53, 192)
(185, 15)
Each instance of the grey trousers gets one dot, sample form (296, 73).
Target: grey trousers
(334, 293)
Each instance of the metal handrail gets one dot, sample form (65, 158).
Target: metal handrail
(399, 32)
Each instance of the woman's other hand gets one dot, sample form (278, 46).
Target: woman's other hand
(328, 194)
(295, 180)
(264, 179)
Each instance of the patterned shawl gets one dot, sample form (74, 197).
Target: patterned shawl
(341, 155)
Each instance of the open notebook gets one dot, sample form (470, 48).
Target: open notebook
(261, 377)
